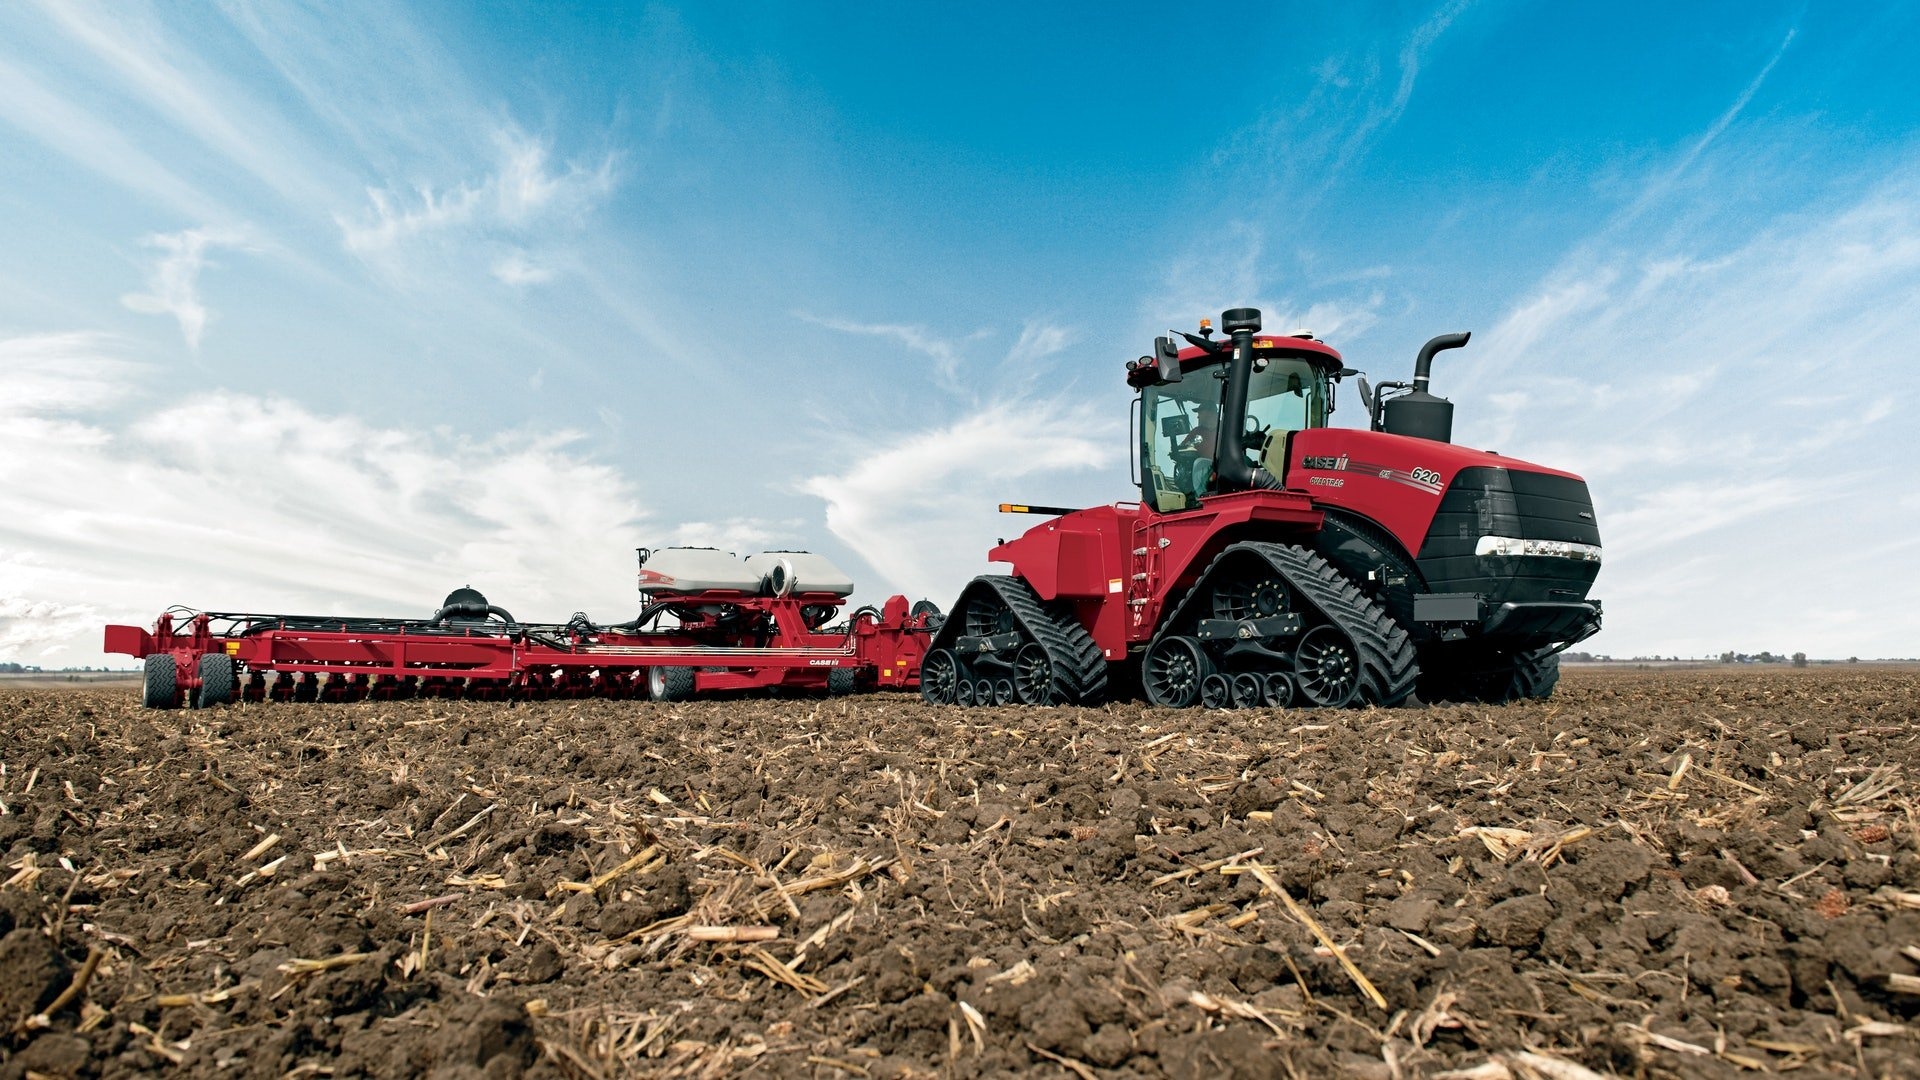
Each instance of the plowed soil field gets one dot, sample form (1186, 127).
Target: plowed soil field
(1695, 873)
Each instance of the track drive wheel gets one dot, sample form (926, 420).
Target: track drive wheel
(218, 680)
(162, 688)
(939, 677)
(1327, 670)
(1172, 671)
(670, 683)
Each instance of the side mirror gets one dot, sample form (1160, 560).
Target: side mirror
(1366, 394)
(1167, 358)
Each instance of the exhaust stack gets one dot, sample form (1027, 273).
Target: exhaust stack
(1418, 413)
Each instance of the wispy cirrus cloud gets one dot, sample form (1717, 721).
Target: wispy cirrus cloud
(173, 284)
(945, 352)
(524, 190)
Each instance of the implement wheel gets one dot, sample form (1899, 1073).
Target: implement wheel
(840, 681)
(218, 680)
(670, 683)
(162, 689)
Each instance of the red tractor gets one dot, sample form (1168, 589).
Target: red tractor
(1273, 560)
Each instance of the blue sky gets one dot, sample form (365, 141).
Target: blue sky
(324, 310)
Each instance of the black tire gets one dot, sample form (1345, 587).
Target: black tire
(218, 680)
(841, 681)
(1172, 670)
(1534, 675)
(670, 683)
(1326, 668)
(162, 688)
(940, 677)
(1471, 679)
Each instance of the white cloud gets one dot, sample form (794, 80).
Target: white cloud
(238, 502)
(518, 270)
(1381, 115)
(1733, 408)
(521, 192)
(173, 285)
(919, 509)
(1039, 340)
(36, 628)
(129, 45)
(743, 536)
(945, 352)
(95, 145)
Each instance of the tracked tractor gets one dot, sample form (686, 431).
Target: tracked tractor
(1272, 560)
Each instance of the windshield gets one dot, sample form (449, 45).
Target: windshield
(1180, 421)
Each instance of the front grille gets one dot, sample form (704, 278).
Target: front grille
(1486, 501)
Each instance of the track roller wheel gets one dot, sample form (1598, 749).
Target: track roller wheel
(1172, 671)
(217, 680)
(1279, 690)
(962, 689)
(1033, 675)
(983, 691)
(841, 681)
(939, 677)
(1326, 667)
(670, 683)
(1003, 692)
(1216, 691)
(1248, 690)
(162, 689)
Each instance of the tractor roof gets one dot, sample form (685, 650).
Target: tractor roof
(1316, 352)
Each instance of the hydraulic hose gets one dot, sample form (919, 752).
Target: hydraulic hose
(471, 611)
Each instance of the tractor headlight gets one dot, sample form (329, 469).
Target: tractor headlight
(1552, 549)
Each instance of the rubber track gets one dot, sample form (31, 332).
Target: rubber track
(1388, 665)
(1079, 669)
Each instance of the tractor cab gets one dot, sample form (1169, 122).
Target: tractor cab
(1184, 408)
